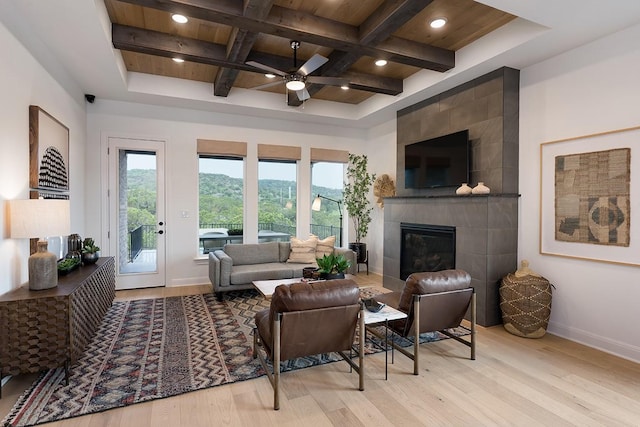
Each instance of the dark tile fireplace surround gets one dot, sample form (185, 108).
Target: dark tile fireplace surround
(485, 226)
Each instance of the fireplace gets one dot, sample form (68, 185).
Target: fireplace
(426, 247)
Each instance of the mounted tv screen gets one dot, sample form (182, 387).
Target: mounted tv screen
(437, 162)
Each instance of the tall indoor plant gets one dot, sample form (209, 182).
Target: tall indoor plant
(356, 190)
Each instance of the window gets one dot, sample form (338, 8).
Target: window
(327, 181)
(277, 200)
(221, 202)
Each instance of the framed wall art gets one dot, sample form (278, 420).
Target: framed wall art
(48, 155)
(587, 198)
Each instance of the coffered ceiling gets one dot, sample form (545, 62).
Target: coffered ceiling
(121, 50)
(222, 36)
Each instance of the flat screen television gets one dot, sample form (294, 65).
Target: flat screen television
(437, 162)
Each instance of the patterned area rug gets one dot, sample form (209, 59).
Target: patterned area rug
(155, 348)
(144, 350)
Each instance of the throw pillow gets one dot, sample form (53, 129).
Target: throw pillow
(303, 251)
(325, 246)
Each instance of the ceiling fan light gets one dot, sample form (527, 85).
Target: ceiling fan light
(295, 85)
(180, 19)
(381, 62)
(438, 23)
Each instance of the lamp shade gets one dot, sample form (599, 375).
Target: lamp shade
(317, 202)
(39, 218)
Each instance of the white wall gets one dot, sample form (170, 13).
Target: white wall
(181, 129)
(381, 152)
(24, 82)
(589, 90)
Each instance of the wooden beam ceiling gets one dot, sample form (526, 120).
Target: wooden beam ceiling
(379, 26)
(309, 28)
(222, 36)
(239, 46)
(162, 44)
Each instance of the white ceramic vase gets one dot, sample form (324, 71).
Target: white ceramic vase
(480, 189)
(463, 190)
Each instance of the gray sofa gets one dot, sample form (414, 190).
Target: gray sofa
(237, 265)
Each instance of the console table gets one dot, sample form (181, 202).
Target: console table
(50, 328)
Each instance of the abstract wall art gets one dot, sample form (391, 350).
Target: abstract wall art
(48, 155)
(586, 197)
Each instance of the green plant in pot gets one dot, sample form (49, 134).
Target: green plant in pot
(90, 251)
(356, 191)
(332, 266)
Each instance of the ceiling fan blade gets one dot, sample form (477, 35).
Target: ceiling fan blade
(315, 62)
(266, 68)
(266, 85)
(303, 94)
(331, 81)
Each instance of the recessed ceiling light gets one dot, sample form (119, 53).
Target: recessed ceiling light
(178, 60)
(381, 62)
(438, 23)
(180, 19)
(269, 75)
(344, 87)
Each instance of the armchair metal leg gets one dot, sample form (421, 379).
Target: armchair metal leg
(473, 326)
(361, 338)
(276, 364)
(416, 337)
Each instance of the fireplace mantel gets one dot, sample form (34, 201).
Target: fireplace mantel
(448, 196)
(486, 240)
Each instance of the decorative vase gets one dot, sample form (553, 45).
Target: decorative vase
(307, 272)
(90, 258)
(480, 189)
(464, 190)
(74, 246)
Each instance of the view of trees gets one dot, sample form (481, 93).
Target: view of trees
(221, 200)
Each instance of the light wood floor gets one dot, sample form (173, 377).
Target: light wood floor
(514, 381)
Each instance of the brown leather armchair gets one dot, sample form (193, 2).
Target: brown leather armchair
(433, 301)
(305, 319)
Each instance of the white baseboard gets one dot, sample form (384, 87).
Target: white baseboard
(617, 348)
(189, 282)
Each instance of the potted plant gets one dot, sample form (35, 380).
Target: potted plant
(332, 266)
(89, 251)
(356, 191)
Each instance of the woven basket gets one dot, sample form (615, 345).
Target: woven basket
(526, 305)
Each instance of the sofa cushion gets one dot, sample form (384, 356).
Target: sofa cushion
(285, 251)
(253, 253)
(325, 246)
(303, 251)
(241, 274)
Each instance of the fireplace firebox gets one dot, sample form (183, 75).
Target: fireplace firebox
(426, 247)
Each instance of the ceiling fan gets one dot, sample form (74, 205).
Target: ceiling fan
(296, 79)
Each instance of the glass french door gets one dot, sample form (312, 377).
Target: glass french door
(136, 212)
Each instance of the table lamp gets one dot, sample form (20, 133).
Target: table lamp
(40, 218)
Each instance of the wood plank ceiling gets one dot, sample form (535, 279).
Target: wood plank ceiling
(222, 36)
